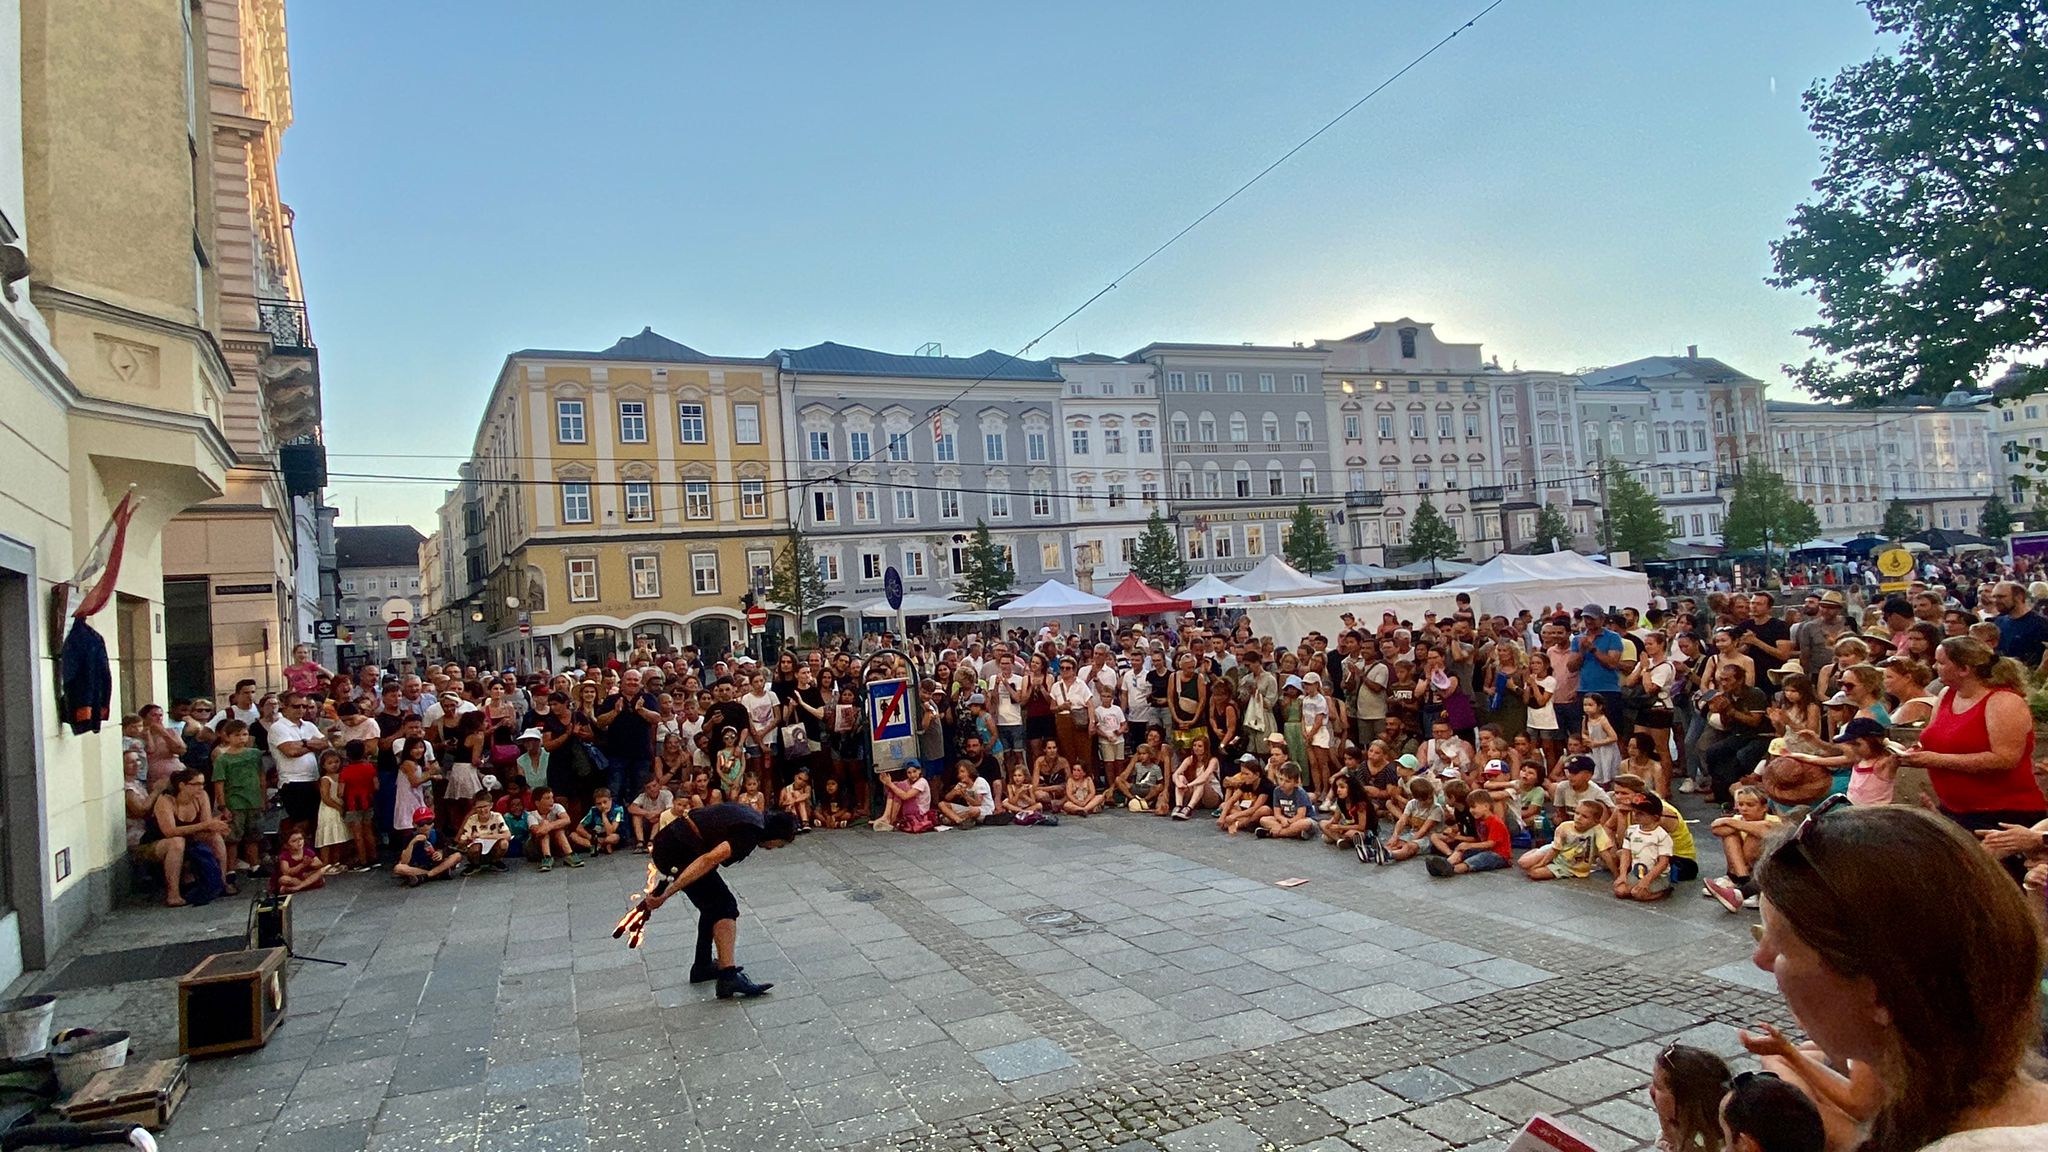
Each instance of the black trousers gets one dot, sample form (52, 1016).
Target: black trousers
(1730, 759)
(675, 848)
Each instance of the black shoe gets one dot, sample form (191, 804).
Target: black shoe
(733, 982)
(1440, 866)
(703, 973)
(1364, 847)
(1261, 833)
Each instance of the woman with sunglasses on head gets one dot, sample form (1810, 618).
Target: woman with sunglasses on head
(1978, 749)
(1898, 944)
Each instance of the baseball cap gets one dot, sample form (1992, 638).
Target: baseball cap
(1578, 764)
(1247, 758)
(1312, 678)
(1839, 700)
(1496, 767)
(423, 816)
(1294, 682)
(1408, 760)
(1648, 804)
(1448, 771)
(1593, 610)
(1860, 728)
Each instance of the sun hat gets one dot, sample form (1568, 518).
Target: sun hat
(529, 734)
(1275, 738)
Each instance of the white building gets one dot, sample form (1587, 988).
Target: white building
(1830, 457)
(1541, 458)
(1705, 420)
(1111, 462)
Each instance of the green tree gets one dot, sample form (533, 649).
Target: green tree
(1635, 521)
(1430, 536)
(1156, 556)
(1553, 531)
(1308, 545)
(1996, 519)
(1899, 521)
(795, 582)
(987, 573)
(1764, 513)
(1922, 244)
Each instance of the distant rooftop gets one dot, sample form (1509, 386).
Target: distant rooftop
(377, 546)
(648, 346)
(1701, 368)
(829, 359)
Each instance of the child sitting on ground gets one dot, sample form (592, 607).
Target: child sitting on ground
(1578, 844)
(1486, 850)
(598, 833)
(909, 808)
(796, 799)
(1245, 801)
(1348, 812)
(1292, 814)
(1020, 800)
(698, 790)
(1418, 820)
(1645, 873)
(1742, 839)
(969, 801)
(1146, 776)
(547, 832)
(646, 810)
(512, 808)
(1459, 826)
(421, 859)
(751, 794)
(298, 868)
(832, 811)
(1763, 1113)
(1628, 790)
(1082, 798)
(1532, 804)
(1686, 1087)
(484, 840)
(1845, 1104)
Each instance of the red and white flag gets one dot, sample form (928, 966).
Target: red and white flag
(102, 568)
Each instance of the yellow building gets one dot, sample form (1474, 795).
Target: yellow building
(626, 494)
(233, 565)
(111, 377)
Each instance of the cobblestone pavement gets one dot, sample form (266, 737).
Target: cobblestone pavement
(1116, 983)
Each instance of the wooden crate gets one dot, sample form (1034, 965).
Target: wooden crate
(231, 1002)
(147, 1093)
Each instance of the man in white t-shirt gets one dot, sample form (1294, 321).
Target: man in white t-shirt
(296, 744)
(1005, 691)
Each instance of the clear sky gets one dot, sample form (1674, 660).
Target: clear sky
(1570, 182)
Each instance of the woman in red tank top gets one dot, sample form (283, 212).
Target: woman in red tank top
(1979, 747)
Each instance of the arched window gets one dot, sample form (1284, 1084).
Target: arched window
(1205, 428)
(1308, 479)
(1239, 430)
(1276, 482)
(1304, 428)
(1642, 437)
(1269, 428)
(1180, 429)
(1615, 444)
(1242, 480)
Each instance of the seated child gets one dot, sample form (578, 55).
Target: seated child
(1147, 777)
(484, 839)
(422, 859)
(1020, 800)
(1628, 790)
(299, 868)
(1686, 1087)
(1082, 799)
(512, 807)
(1645, 855)
(1763, 1113)
(1578, 844)
(969, 800)
(1459, 825)
(1486, 850)
(598, 832)
(1742, 842)
(1292, 814)
(547, 832)
(1245, 801)
(1419, 819)
(751, 794)
(1846, 1102)
(1348, 811)
(832, 812)
(698, 790)
(796, 799)
(1576, 787)
(909, 808)
(646, 810)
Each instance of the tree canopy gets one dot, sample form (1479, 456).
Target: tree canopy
(1430, 536)
(1995, 521)
(794, 582)
(986, 572)
(1156, 558)
(1635, 521)
(1308, 545)
(1764, 513)
(1553, 529)
(1899, 521)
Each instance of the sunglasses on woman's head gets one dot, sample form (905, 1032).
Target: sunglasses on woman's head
(1796, 844)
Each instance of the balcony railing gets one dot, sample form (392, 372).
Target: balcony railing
(285, 321)
(1491, 493)
(1364, 499)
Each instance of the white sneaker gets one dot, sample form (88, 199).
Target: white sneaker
(1752, 902)
(1686, 785)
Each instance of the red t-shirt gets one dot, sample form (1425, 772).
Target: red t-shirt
(1495, 829)
(358, 786)
(2011, 789)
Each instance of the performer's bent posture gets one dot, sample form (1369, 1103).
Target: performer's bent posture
(686, 858)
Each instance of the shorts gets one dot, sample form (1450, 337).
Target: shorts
(1661, 882)
(244, 824)
(1683, 869)
(1656, 718)
(359, 816)
(300, 799)
(1109, 749)
(1547, 735)
(1012, 736)
(1485, 861)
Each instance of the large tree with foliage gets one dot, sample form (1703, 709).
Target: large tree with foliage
(1553, 529)
(1635, 521)
(1308, 545)
(986, 573)
(1430, 536)
(1995, 521)
(1899, 521)
(794, 582)
(1923, 243)
(1156, 557)
(1764, 513)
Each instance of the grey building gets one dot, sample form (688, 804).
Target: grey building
(897, 457)
(1247, 440)
(1540, 459)
(375, 564)
(1614, 426)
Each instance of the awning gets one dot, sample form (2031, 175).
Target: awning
(914, 604)
(1210, 590)
(1276, 577)
(1134, 597)
(1053, 598)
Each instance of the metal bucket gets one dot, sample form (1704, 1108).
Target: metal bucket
(25, 1024)
(77, 1061)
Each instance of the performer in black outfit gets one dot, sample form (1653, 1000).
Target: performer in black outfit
(686, 857)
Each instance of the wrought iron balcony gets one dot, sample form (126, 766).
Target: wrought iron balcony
(1492, 493)
(285, 321)
(1364, 499)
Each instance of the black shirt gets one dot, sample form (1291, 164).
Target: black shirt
(1772, 631)
(726, 714)
(737, 825)
(388, 724)
(630, 736)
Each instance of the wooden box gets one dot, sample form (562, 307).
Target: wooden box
(270, 923)
(147, 1093)
(232, 1002)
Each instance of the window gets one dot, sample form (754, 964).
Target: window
(1108, 388)
(1254, 540)
(1078, 441)
(871, 566)
(1212, 483)
(1176, 382)
(944, 447)
(640, 501)
(1351, 429)
(1471, 424)
(1685, 480)
(1180, 429)
(1223, 544)
(1148, 491)
(825, 505)
(1697, 529)
(1276, 484)
(1240, 432)
(646, 572)
(1386, 427)
(690, 423)
(1510, 434)
(859, 446)
(1197, 547)
(1146, 446)
(746, 423)
(760, 567)
(1116, 496)
(632, 422)
(569, 421)
(1049, 556)
(1202, 382)
(753, 498)
(1084, 497)
(1304, 428)
(697, 499)
(1112, 441)
(820, 444)
(913, 563)
(1664, 439)
(1422, 479)
(1269, 429)
(1665, 483)
(1244, 481)
(1308, 479)
(828, 567)
(1128, 549)
(994, 447)
(899, 446)
(1301, 383)
(1041, 503)
(1416, 426)
(1035, 447)
(949, 504)
(867, 506)
(1407, 343)
(1443, 426)
(1233, 382)
(999, 505)
(1206, 429)
(583, 580)
(576, 502)
(704, 573)
(348, 585)
(906, 503)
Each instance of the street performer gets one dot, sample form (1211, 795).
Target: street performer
(686, 857)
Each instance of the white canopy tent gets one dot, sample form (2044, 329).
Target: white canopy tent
(1209, 590)
(1350, 573)
(1287, 621)
(968, 618)
(1507, 584)
(1053, 598)
(1433, 569)
(914, 604)
(1275, 577)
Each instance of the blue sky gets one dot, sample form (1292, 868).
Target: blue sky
(1570, 182)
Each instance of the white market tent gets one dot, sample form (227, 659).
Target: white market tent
(1287, 621)
(1507, 584)
(914, 604)
(1209, 590)
(1433, 569)
(1350, 573)
(968, 618)
(1275, 577)
(1053, 598)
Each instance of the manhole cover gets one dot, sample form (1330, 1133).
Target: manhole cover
(863, 897)
(1056, 918)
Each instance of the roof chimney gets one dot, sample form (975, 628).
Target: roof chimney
(1692, 351)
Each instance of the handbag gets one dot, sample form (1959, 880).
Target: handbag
(796, 740)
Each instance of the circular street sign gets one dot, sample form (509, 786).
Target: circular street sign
(757, 617)
(398, 629)
(395, 608)
(526, 629)
(892, 588)
(1894, 562)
